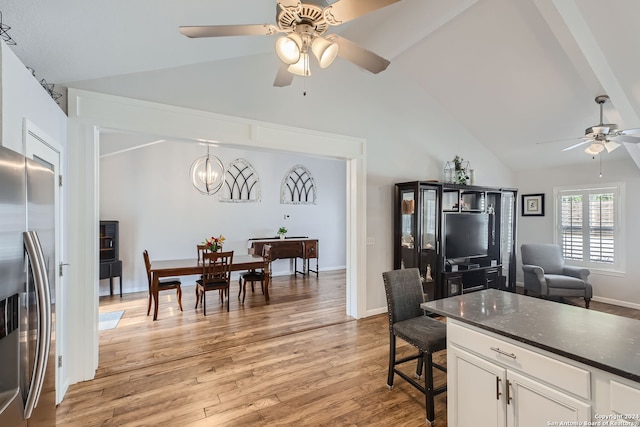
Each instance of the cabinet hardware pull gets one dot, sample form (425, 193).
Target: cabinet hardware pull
(504, 353)
(509, 398)
(498, 394)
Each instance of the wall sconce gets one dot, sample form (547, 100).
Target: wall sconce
(207, 174)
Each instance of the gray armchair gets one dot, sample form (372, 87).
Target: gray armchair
(545, 273)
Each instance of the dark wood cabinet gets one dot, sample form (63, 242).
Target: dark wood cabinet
(291, 247)
(460, 237)
(110, 264)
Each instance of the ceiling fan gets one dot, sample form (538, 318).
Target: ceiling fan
(304, 26)
(605, 136)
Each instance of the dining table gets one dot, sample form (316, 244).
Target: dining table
(191, 266)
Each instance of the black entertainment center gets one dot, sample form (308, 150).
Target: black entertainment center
(460, 237)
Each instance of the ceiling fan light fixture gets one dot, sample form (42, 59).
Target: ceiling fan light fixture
(289, 48)
(301, 68)
(594, 149)
(611, 145)
(325, 51)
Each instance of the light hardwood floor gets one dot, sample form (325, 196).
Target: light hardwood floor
(298, 360)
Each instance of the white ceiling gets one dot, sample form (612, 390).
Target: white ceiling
(514, 73)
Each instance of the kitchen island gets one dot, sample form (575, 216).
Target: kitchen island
(519, 360)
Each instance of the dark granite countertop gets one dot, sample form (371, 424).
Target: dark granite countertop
(601, 340)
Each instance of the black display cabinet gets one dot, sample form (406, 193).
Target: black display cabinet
(110, 264)
(460, 237)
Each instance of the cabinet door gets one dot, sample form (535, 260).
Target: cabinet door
(508, 238)
(407, 228)
(475, 390)
(428, 241)
(534, 404)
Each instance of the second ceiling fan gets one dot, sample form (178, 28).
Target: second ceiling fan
(605, 136)
(303, 26)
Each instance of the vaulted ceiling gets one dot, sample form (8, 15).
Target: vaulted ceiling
(515, 74)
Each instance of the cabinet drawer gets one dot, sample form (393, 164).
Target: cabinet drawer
(625, 400)
(557, 373)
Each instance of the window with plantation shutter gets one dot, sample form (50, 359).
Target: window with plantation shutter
(588, 226)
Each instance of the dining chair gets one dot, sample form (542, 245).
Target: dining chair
(408, 322)
(254, 276)
(201, 250)
(164, 283)
(216, 275)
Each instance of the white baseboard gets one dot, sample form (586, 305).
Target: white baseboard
(186, 282)
(616, 302)
(605, 300)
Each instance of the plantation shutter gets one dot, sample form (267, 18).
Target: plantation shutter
(571, 225)
(588, 225)
(601, 227)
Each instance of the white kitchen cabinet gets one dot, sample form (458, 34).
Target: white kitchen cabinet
(489, 383)
(520, 361)
(474, 390)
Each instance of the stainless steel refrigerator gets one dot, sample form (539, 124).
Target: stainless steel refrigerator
(27, 297)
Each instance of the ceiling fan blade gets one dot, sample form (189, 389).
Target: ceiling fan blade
(584, 141)
(629, 132)
(625, 138)
(611, 145)
(359, 55)
(229, 30)
(346, 10)
(283, 78)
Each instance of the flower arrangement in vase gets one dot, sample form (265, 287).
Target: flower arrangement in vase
(282, 231)
(214, 244)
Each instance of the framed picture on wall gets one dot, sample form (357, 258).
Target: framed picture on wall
(533, 205)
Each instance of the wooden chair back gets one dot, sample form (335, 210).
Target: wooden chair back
(201, 250)
(266, 254)
(216, 269)
(147, 265)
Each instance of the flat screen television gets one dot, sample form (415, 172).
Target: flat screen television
(466, 235)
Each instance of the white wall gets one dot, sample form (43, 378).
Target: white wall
(409, 135)
(23, 97)
(621, 289)
(148, 190)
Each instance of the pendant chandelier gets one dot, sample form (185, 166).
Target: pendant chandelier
(207, 174)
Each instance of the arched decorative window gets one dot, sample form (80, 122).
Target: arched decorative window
(298, 187)
(242, 183)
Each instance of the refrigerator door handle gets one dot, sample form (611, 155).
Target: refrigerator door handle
(43, 305)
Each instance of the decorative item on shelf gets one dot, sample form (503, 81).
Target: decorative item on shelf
(282, 231)
(4, 35)
(207, 174)
(408, 207)
(214, 244)
(427, 275)
(457, 171)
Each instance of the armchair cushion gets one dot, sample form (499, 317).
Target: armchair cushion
(565, 282)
